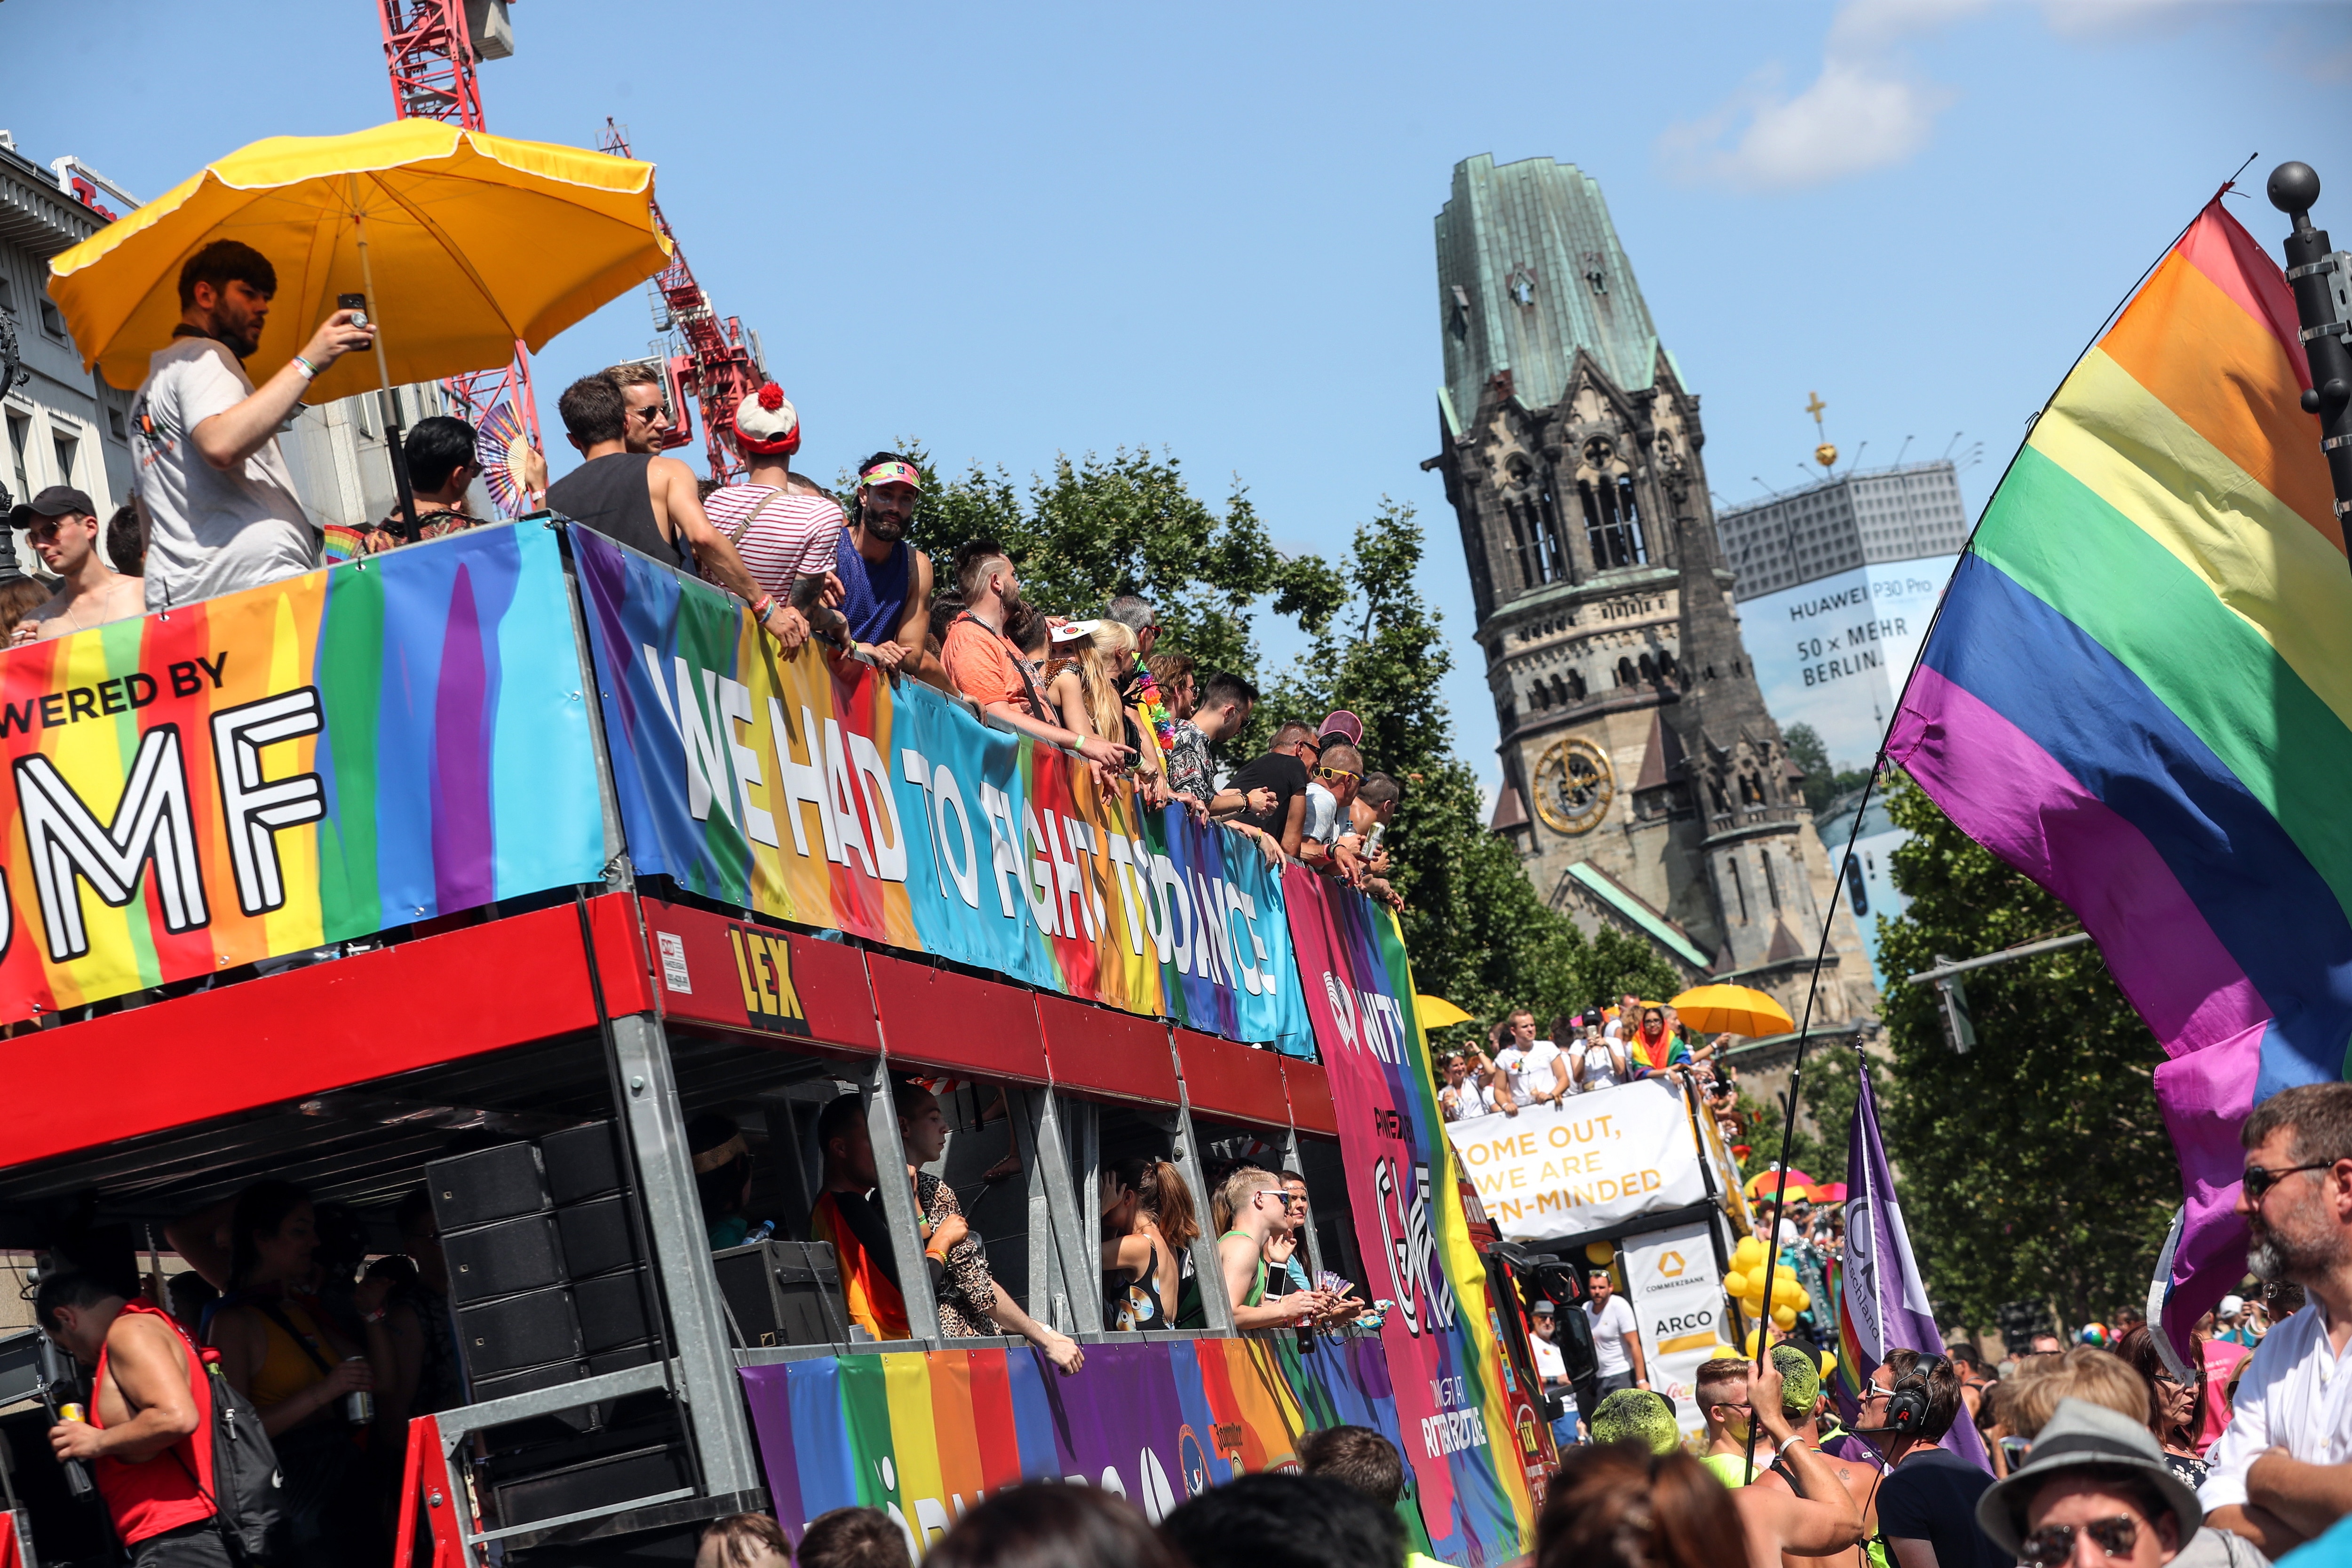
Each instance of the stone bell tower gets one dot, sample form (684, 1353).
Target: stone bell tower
(1643, 780)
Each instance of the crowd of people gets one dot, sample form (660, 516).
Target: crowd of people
(1600, 1048)
(216, 512)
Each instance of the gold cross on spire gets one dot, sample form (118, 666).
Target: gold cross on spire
(1814, 407)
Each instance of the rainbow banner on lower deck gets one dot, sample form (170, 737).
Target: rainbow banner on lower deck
(821, 791)
(2139, 694)
(1471, 1440)
(323, 757)
(926, 1434)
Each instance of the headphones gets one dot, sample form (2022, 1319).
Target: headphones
(1906, 1402)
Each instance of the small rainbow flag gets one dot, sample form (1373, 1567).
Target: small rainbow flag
(2139, 693)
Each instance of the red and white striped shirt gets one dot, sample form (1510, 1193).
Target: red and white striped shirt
(793, 536)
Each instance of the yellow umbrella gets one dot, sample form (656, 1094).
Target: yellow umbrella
(464, 244)
(1732, 1010)
(1436, 1012)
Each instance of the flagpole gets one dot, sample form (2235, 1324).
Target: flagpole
(1796, 1081)
(2327, 331)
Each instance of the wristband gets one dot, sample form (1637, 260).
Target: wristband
(374, 1317)
(308, 371)
(935, 1256)
(764, 608)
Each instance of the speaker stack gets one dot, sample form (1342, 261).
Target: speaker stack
(545, 1278)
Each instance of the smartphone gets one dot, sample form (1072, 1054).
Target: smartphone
(353, 303)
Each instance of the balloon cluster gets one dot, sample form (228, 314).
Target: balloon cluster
(1745, 1285)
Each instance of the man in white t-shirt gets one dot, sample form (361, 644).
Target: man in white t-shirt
(1597, 1062)
(1340, 770)
(1528, 1071)
(1616, 1338)
(221, 509)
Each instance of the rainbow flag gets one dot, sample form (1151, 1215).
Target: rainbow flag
(2139, 693)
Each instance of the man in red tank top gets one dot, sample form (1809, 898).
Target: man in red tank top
(148, 1437)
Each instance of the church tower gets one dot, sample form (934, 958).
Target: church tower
(1642, 776)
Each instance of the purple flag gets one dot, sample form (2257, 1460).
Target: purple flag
(1886, 1306)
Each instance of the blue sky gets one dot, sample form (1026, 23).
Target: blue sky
(1016, 231)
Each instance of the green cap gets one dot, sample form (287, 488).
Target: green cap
(1637, 1415)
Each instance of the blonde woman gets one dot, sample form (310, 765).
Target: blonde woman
(1090, 666)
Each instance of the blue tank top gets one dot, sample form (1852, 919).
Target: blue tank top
(873, 596)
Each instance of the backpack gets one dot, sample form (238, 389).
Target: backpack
(245, 1470)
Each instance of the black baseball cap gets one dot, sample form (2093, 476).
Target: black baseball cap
(57, 501)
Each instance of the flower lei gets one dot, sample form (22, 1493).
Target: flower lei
(1163, 726)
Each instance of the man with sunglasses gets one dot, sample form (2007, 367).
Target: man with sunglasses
(2093, 1493)
(65, 531)
(1926, 1505)
(1329, 795)
(647, 398)
(2282, 1472)
(1273, 787)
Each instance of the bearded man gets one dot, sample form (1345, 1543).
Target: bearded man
(885, 582)
(221, 509)
(2279, 1473)
(987, 666)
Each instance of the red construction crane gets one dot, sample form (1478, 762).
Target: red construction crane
(431, 48)
(717, 368)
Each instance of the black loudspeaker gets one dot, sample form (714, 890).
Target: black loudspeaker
(612, 1309)
(518, 1331)
(582, 1162)
(596, 1238)
(647, 1471)
(489, 1184)
(500, 1260)
(531, 1381)
(782, 1292)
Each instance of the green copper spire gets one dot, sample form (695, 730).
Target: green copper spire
(1528, 271)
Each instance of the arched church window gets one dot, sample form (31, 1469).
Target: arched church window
(1560, 691)
(1629, 518)
(1625, 676)
(1576, 683)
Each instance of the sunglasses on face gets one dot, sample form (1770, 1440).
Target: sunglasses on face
(1334, 775)
(2260, 1181)
(651, 412)
(2054, 1544)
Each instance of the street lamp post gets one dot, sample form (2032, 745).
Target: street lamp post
(2321, 281)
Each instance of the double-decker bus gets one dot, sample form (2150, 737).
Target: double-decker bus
(493, 867)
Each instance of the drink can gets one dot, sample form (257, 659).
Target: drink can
(359, 1404)
(71, 1413)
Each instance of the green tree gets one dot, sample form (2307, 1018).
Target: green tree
(1826, 1095)
(1825, 781)
(2036, 1167)
(1096, 528)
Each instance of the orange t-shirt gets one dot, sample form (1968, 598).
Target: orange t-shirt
(981, 662)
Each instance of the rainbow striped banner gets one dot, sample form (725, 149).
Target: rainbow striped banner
(1472, 1438)
(323, 758)
(924, 1434)
(819, 791)
(2141, 695)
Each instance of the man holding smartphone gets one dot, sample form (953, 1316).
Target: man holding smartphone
(221, 509)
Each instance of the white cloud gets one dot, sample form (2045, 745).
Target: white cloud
(1867, 109)
(1864, 112)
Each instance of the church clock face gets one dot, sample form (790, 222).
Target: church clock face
(1573, 785)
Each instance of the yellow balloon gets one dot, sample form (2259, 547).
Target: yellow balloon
(1804, 1301)
(1785, 1290)
(1784, 1318)
(1829, 1365)
(1735, 1283)
(1601, 1252)
(1752, 1335)
(1747, 1254)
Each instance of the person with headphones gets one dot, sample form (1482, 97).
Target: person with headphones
(1927, 1503)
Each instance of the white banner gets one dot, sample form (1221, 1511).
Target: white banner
(1678, 1302)
(1592, 1163)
